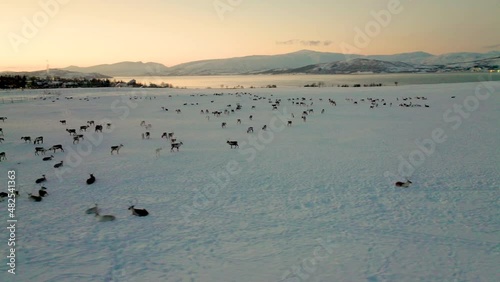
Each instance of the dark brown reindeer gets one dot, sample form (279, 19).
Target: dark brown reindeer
(233, 144)
(403, 184)
(116, 148)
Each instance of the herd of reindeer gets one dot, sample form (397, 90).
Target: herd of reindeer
(175, 144)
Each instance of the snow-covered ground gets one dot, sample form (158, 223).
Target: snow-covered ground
(314, 201)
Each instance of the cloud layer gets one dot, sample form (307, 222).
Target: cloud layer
(305, 42)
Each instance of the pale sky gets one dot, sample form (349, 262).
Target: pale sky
(90, 32)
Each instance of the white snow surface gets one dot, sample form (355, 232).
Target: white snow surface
(315, 201)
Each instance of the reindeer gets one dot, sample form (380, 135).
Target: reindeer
(92, 210)
(403, 184)
(103, 218)
(57, 147)
(40, 180)
(3, 119)
(108, 125)
(83, 128)
(264, 127)
(223, 125)
(38, 150)
(250, 129)
(43, 192)
(48, 158)
(143, 123)
(289, 123)
(116, 148)
(91, 180)
(38, 140)
(34, 198)
(175, 146)
(138, 212)
(233, 144)
(90, 122)
(63, 122)
(58, 165)
(2, 156)
(26, 139)
(157, 152)
(98, 128)
(238, 121)
(76, 140)
(71, 131)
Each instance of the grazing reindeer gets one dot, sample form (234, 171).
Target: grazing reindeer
(250, 117)
(143, 123)
(116, 148)
(98, 128)
(40, 180)
(38, 150)
(304, 118)
(90, 122)
(57, 147)
(26, 139)
(403, 184)
(3, 119)
(157, 152)
(76, 139)
(58, 165)
(138, 212)
(147, 135)
(108, 125)
(233, 144)
(238, 121)
(175, 146)
(48, 158)
(2, 156)
(63, 122)
(264, 127)
(250, 129)
(38, 140)
(223, 125)
(71, 131)
(91, 179)
(83, 128)
(289, 123)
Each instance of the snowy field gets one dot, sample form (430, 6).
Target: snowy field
(314, 201)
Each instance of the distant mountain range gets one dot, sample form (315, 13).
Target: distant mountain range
(358, 65)
(304, 61)
(58, 73)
